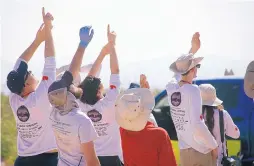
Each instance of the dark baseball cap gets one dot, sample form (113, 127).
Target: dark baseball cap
(134, 85)
(16, 78)
(57, 91)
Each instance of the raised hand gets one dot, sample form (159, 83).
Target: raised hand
(40, 35)
(143, 82)
(47, 18)
(111, 36)
(86, 35)
(195, 43)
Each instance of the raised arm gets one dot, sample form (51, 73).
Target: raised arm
(29, 52)
(49, 50)
(114, 67)
(195, 43)
(97, 64)
(86, 35)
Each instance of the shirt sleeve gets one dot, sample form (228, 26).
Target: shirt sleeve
(166, 154)
(87, 131)
(231, 129)
(49, 76)
(200, 131)
(16, 66)
(114, 89)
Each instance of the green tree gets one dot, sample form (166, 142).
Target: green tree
(8, 132)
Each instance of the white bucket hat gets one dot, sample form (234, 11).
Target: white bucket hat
(184, 63)
(208, 94)
(133, 108)
(249, 80)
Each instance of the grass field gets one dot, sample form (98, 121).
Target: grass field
(233, 148)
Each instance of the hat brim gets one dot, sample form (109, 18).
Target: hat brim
(195, 61)
(214, 103)
(147, 102)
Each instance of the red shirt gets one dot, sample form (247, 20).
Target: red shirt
(148, 147)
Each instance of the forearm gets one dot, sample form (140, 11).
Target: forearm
(77, 61)
(29, 52)
(49, 43)
(114, 67)
(97, 64)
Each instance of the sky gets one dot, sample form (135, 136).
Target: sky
(150, 34)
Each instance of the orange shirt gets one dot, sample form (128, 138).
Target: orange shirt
(148, 147)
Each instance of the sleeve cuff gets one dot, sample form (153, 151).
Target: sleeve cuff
(50, 60)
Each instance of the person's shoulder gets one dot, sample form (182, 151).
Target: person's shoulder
(158, 132)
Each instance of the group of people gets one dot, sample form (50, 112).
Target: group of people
(63, 120)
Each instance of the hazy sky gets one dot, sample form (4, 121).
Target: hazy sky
(151, 34)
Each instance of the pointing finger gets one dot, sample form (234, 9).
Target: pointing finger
(108, 29)
(43, 12)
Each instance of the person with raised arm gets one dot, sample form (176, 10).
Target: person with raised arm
(197, 145)
(100, 109)
(142, 142)
(73, 129)
(30, 105)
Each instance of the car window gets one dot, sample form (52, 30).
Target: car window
(228, 93)
(162, 103)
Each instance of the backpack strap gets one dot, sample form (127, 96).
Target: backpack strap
(222, 134)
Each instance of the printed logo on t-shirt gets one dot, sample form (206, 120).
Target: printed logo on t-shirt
(176, 99)
(23, 113)
(94, 115)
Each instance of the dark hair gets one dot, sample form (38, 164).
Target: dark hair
(209, 120)
(90, 86)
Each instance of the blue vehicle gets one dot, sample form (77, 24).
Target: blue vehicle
(239, 106)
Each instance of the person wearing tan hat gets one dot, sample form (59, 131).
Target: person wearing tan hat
(142, 142)
(211, 113)
(249, 80)
(197, 145)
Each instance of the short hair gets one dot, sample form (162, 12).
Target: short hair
(90, 86)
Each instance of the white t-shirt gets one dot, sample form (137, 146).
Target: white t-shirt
(71, 130)
(35, 135)
(230, 128)
(103, 116)
(186, 111)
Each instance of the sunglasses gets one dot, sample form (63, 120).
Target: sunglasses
(198, 66)
(26, 76)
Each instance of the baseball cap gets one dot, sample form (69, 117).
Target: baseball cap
(134, 85)
(57, 92)
(16, 78)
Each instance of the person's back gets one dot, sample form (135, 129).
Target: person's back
(230, 129)
(101, 109)
(185, 109)
(197, 145)
(29, 102)
(73, 130)
(69, 135)
(150, 146)
(212, 106)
